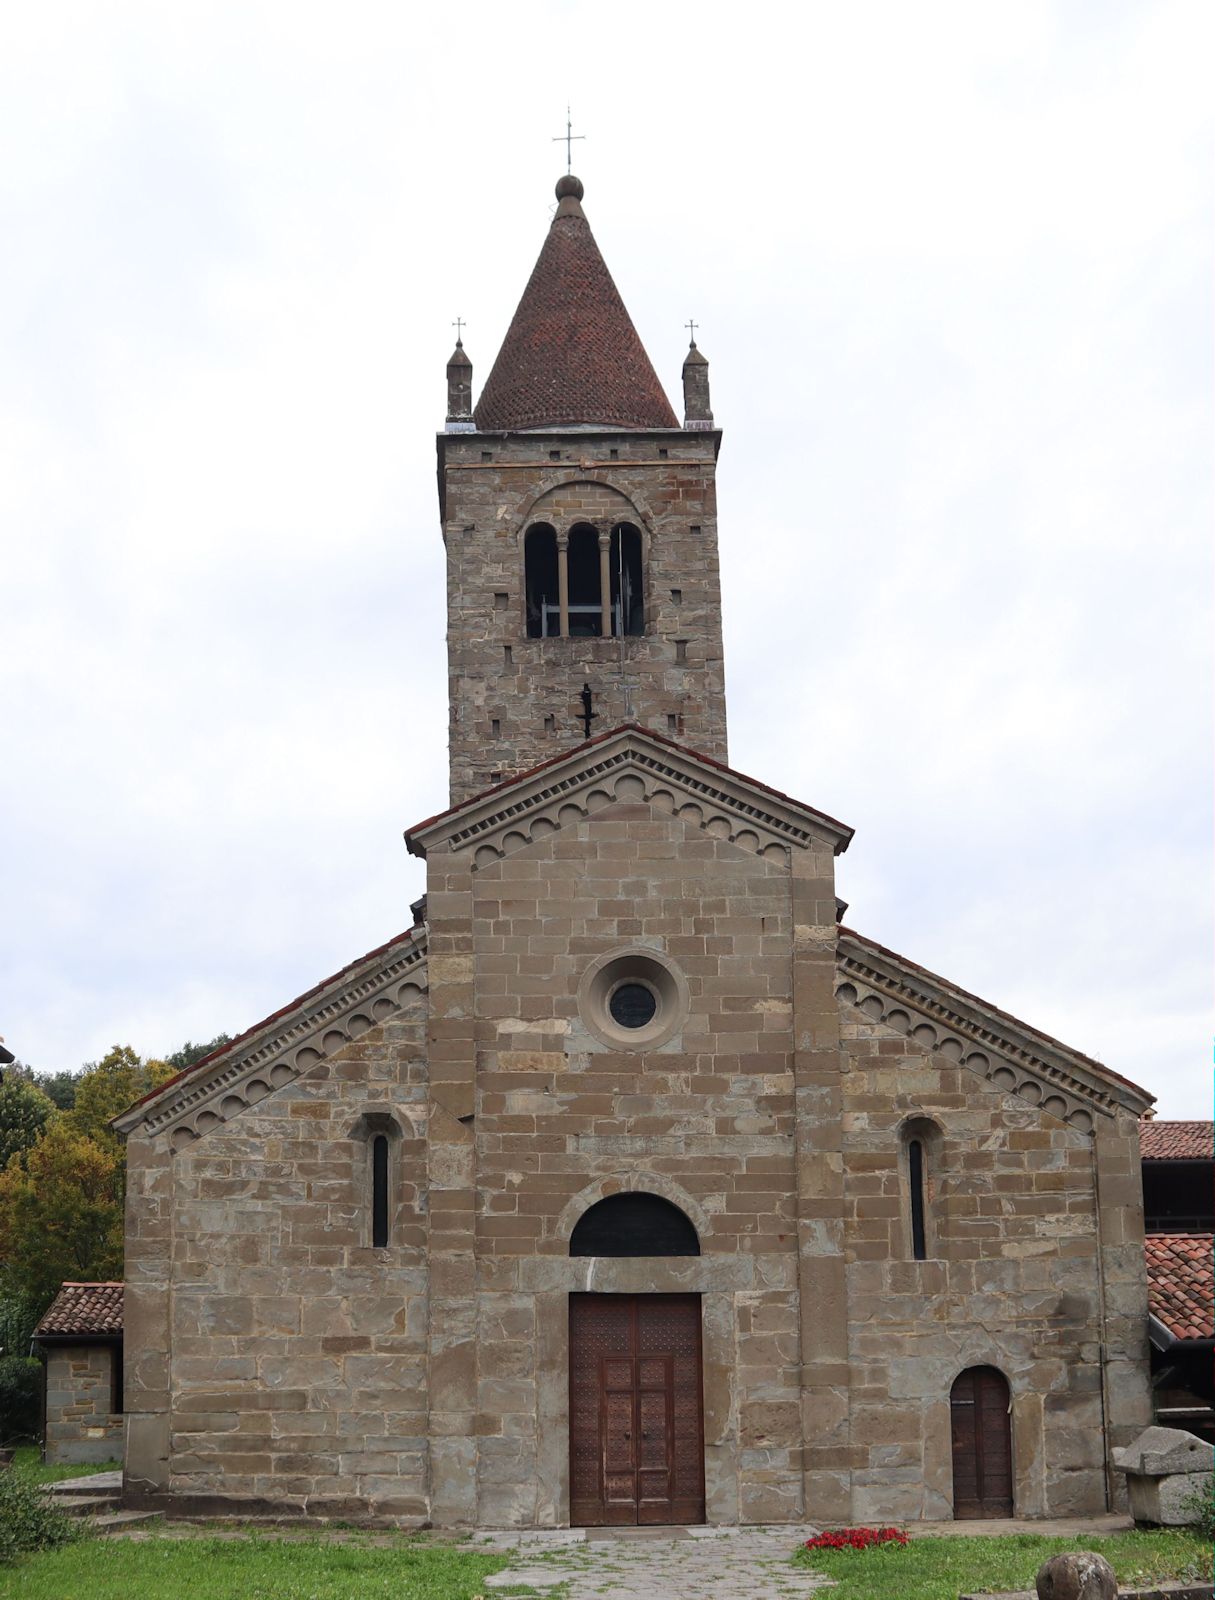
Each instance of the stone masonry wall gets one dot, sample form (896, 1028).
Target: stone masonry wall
(670, 680)
(298, 1366)
(706, 1119)
(1013, 1281)
(80, 1424)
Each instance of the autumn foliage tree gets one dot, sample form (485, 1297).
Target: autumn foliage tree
(60, 1214)
(108, 1087)
(63, 1176)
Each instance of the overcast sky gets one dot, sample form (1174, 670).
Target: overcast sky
(950, 264)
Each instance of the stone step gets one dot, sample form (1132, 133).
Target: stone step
(88, 1483)
(119, 1521)
(87, 1505)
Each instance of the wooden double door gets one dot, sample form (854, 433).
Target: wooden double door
(636, 1410)
(981, 1434)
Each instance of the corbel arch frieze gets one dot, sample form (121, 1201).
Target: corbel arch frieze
(297, 1044)
(1005, 1065)
(630, 776)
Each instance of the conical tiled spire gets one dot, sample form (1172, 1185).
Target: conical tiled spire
(571, 354)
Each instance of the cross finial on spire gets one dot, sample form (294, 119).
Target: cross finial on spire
(691, 327)
(567, 139)
(459, 325)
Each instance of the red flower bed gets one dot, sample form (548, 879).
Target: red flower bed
(855, 1538)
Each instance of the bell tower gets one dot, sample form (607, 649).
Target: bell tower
(580, 523)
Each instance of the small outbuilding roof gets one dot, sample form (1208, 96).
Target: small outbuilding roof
(84, 1310)
(1181, 1283)
(1176, 1141)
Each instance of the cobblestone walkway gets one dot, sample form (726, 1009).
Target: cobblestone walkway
(663, 1564)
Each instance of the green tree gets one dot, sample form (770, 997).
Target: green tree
(24, 1112)
(191, 1052)
(60, 1214)
(59, 1087)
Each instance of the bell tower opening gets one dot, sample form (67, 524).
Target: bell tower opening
(543, 609)
(586, 593)
(628, 595)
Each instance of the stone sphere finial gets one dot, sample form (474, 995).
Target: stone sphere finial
(569, 185)
(1077, 1575)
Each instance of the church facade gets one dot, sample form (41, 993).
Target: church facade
(628, 1185)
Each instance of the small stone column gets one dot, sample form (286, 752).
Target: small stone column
(605, 584)
(563, 582)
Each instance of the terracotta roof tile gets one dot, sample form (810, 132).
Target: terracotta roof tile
(88, 1309)
(571, 354)
(223, 1049)
(1176, 1141)
(1181, 1283)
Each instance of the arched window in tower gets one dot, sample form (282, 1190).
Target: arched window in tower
(628, 598)
(586, 607)
(541, 582)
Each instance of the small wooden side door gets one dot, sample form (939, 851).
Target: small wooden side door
(636, 1413)
(981, 1432)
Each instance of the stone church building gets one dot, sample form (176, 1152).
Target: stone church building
(627, 1185)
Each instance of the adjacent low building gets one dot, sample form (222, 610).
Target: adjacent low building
(1179, 1212)
(80, 1343)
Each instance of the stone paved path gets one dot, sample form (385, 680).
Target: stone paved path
(662, 1564)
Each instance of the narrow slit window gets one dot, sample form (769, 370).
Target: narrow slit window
(915, 1178)
(379, 1191)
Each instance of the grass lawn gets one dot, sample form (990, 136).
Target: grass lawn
(942, 1569)
(27, 1460)
(256, 1568)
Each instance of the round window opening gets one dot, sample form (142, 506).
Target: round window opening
(633, 999)
(633, 1005)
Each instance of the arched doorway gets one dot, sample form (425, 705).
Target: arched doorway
(636, 1392)
(980, 1426)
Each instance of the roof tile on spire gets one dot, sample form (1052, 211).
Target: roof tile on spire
(571, 354)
